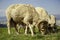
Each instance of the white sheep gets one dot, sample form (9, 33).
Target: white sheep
(22, 13)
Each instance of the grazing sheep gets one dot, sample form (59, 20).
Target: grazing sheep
(22, 13)
(49, 18)
(43, 14)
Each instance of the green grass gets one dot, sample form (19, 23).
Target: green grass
(4, 35)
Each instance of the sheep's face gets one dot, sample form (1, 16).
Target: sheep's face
(42, 28)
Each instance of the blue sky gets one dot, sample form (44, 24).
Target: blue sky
(52, 6)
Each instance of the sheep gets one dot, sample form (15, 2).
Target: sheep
(43, 15)
(22, 13)
(49, 18)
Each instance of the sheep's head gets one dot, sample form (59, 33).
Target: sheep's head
(43, 27)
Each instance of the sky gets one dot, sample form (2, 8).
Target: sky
(52, 6)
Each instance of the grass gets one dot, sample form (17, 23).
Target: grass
(4, 35)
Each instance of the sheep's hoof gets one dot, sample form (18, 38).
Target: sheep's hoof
(9, 33)
(43, 33)
(32, 34)
(17, 33)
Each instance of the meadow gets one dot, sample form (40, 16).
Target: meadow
(4, 35)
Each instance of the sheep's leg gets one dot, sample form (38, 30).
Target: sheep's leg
(26, 21)
(31, 29)
(16, 29)
(8, 25)
(26, 30)
(19, 29)
(27, 24)
(42, 29)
